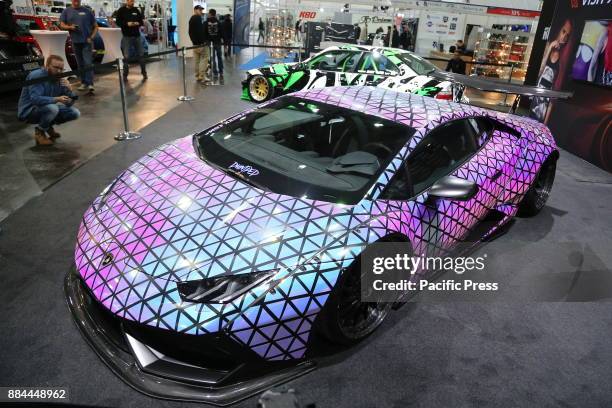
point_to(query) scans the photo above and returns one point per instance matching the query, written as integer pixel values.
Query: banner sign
(576, 59)
(436, 25)
(513, 12)
(307, 15)
(443, 6)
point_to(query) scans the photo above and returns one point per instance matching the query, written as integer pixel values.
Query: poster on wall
(593, 61)
(436, 25)
(578, 58)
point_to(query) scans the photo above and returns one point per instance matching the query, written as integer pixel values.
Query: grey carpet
(533, 350)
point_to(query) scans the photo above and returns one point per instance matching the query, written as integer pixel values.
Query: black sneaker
(144, 76)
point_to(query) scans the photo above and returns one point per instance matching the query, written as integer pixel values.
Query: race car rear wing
(488, 85)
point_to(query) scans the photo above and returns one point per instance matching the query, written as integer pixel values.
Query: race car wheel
(538, 193)
(259, 89)
(345, 318)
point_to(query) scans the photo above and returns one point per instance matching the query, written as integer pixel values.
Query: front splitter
(125, 366)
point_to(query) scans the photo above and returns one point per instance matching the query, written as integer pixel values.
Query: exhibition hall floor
(535, 349)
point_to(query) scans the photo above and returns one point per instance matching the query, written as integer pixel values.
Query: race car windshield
(305, 149)
(417, 64)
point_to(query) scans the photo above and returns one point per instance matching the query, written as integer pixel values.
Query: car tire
(259, 88)
(343, 303)
(538, 193)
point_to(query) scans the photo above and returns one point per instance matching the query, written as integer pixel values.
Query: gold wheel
(259, 88)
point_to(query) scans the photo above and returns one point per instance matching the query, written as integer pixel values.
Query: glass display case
(503, 47)
(279, 33)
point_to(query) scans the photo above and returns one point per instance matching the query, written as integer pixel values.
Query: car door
(437, 225)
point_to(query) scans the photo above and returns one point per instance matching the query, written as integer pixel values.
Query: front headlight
(222, 289)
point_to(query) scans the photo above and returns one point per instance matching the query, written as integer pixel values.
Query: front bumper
(134, 353)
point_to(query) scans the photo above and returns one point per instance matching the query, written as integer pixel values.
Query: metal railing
(119, 64)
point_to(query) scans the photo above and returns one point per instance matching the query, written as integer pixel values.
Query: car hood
(277, 69)
(173, 216)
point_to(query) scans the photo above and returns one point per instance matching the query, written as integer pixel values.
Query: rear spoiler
(489, 85)
(501, 87)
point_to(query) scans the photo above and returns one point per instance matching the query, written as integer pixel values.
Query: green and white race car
(345, 65)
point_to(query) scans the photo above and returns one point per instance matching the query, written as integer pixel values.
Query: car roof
(419, 112)
(367, 48)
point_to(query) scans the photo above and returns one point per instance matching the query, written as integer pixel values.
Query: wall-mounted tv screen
(593, 61)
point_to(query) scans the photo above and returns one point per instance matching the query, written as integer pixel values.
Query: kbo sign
(307, 15)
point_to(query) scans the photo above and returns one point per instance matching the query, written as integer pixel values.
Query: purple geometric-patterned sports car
(223, 253)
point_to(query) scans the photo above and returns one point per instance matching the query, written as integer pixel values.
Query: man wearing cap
(197, 36)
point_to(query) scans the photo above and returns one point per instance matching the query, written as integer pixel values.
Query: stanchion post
(125, 134)
(184, 97)
(505, 102)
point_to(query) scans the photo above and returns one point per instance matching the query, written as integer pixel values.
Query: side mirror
(453, 188)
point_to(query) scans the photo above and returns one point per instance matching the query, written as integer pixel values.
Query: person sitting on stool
(47, 103)
(456, 64)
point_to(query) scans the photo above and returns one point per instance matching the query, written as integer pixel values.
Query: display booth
(577, 56)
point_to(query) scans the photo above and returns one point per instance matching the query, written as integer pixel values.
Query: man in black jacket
(395, 37)
(228, 31)
(129, 18)
(212, 31)
(198, 37)
(456, 64)
(405, 40)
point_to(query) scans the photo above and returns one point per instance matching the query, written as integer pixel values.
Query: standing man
(197, 36)
(388, 36)
(228, 31)
(456, 64)
(298, 27)
(82, 25)
(262, 30)
(357, 33)
(47, 103)
(460, 46)
(395, 37)
(212, 31)
(406, 39)
(129, 19)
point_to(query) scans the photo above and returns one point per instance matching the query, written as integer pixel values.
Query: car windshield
(417, 64)
(305, 149)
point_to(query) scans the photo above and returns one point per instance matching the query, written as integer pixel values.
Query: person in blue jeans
(212, 31)
(130, 19)
(81, 24)
(47, 103)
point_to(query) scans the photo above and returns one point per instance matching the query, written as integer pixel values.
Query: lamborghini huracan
(204, 271)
